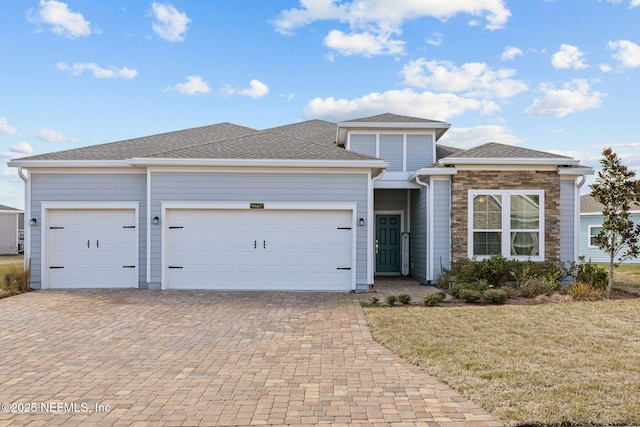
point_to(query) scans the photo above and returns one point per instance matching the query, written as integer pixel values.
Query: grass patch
(14, 279)
(551, 364)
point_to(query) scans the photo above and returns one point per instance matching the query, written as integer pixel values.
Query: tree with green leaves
(617, 190)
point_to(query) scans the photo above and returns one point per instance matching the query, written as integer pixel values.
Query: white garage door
(258, 249)
(91, 248)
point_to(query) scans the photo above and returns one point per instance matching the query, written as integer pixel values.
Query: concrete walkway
(138, 357)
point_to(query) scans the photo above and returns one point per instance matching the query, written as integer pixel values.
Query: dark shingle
(313, 130)
(391, 118)
(493, 150)
(264, 145)
(148, 145)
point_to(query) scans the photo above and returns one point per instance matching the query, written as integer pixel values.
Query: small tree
(616, 189)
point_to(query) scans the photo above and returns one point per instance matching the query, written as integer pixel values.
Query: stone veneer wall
(549, 181)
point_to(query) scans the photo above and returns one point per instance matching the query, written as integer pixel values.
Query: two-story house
(307, 206)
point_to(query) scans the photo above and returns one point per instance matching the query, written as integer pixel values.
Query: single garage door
(258, 249)
(91, 248)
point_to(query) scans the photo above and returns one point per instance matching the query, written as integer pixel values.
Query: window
(594, 230)
(509, 223)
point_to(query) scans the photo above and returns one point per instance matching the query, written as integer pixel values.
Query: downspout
(27, 218)
(576, 227)
(429, 230)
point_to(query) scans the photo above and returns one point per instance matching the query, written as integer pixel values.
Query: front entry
(388, 248)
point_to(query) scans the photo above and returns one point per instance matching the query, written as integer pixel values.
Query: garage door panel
(245, 249)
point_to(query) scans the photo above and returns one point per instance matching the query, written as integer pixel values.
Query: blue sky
(560, 76)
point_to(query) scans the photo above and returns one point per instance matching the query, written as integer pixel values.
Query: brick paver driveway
(137, 357)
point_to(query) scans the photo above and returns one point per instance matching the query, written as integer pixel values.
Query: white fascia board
(10, 212)
(28, 164)
(510, 161)
(578, 171)
(395, 184)
(433, 172)
(373, 164)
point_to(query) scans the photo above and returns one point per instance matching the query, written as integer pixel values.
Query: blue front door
(388, 252)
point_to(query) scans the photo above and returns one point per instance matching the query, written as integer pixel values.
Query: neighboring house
(306, 206)
(10, 230)
(591, 220)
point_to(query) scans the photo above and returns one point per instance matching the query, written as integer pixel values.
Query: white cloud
(5, 128)
(51, 135)
(626, 52)
(62, 21)
(472, 137)
(98, 72)
(22, 148)
(510, 53)
(606, 68)
(473, 79)
(193, 86)
(435, 39)
(634, 3)
(389, 13)
(573, 97)
(256, 89)
(407, 102)
(568, 57)
(366, 44)
(170, 25)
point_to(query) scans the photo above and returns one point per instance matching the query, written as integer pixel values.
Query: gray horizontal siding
(392, 151)
(441, 226)
(100, 187)
(420, 151)
(567, 219)
(259, 187)
(8, 233)
(595, 254)
(363, 143)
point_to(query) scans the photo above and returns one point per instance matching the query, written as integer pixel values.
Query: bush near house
(15, 280)
(469, 280)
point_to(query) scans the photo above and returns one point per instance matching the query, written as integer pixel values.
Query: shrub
(374, 301)
(404, 299)
(391, 300)
(585, 291)
(592, 275)
(433, 298)
(469, 295)
(16, 280)
(475, 286)
(496, 270)
(536, 285)
(495, 296)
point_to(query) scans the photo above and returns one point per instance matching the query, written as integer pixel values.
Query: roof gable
(9, 208)
(493, 153)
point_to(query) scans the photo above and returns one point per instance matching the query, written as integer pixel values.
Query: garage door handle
(88, 244)
(264, 244)
(255, 244)
(343, 268)
(97, 243)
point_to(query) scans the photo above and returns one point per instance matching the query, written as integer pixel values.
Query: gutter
(27, 218)
(429, 228)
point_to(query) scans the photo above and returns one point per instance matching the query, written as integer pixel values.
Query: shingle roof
(313, 130)
(589, 205)
(8, 208)
(264, 145)
(148, 145)
(493, 150)
(446, 151)
(392, 118)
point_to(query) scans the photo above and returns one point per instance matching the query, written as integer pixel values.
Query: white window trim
(506, 221)
(589, 245)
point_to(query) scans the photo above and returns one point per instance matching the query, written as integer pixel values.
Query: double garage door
(258, 249)
(203, 249)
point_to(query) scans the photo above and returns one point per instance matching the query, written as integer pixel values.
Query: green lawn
(572, 363)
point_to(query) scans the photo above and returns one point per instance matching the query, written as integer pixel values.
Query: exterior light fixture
(361, 222)
(156, 220)
(33, 222)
